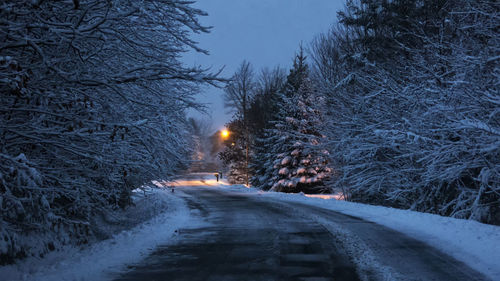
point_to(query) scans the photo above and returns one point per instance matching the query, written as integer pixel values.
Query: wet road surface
(248, 240)
(252, 239)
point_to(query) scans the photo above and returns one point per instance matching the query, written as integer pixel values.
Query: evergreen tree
(263, 111)
(263, 160)
(301, 164)
(269, 143)
(382, 27)
(289, 157)
(233, 156)
(298, 73)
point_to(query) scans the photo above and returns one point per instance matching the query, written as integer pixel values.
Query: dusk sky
(266, 33)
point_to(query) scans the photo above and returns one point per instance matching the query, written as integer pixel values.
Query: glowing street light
(224, 134)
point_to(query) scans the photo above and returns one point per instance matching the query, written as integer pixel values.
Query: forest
(398, 104)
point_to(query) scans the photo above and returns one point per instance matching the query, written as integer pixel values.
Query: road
(252, 238)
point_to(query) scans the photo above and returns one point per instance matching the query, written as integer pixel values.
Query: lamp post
(224, 134)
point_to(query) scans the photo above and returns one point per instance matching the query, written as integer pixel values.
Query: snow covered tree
(298, 73)
(381, 26)
(269, 143)
(302, 161)
(264, 109)
(233, 155)
(290, 155)
(93, 105)
(461, 122)
(202, 157)
(414, 124)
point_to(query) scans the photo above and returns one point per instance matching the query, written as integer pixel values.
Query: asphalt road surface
(250, 238)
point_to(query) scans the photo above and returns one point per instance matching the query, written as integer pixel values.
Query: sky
(266, 33)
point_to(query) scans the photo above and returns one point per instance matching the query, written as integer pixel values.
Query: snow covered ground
(106, 257)
(471, 242)
(476, 244)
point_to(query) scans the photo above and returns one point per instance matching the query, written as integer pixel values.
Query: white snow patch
(100, 260)
(286, 160)
(301, 170)
(283, 171)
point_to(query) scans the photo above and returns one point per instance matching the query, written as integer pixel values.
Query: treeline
(275, 140)
(408, 102)
(92, 105)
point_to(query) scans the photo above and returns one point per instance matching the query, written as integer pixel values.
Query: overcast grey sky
(264, 32)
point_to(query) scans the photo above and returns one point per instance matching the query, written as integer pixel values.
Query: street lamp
(224, 134)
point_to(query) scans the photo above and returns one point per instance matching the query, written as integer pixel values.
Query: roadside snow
(476, 244)
(101, 259)
(471, 242)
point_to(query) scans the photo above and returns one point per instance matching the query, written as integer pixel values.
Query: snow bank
(474, 243)
(101, 259)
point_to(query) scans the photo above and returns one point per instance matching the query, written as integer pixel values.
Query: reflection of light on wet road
(326, 196)
(189, 183)
(196, 182)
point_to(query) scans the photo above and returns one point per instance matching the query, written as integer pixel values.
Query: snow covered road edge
(108, 257)
(474, 243)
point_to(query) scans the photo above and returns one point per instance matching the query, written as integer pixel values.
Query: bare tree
(240, 90)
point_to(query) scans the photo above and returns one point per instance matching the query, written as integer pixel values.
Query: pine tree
(263, 111)
(290, 154)
(298, 73)
(263, 159)
(382, 26)
(269, 142)
(301, 164)
(233, 156)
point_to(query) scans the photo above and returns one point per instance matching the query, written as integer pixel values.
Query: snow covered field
(476, 244)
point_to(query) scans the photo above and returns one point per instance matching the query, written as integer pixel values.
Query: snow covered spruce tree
(92, 106)
(296, 159)
(301, 160)
(264, 109)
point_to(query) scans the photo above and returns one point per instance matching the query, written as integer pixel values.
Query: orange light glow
(224, 134)
(206, 182)
(326, 196)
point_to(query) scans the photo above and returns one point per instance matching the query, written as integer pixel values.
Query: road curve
(251, 238)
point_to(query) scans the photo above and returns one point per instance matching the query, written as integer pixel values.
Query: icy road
(252, 237)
